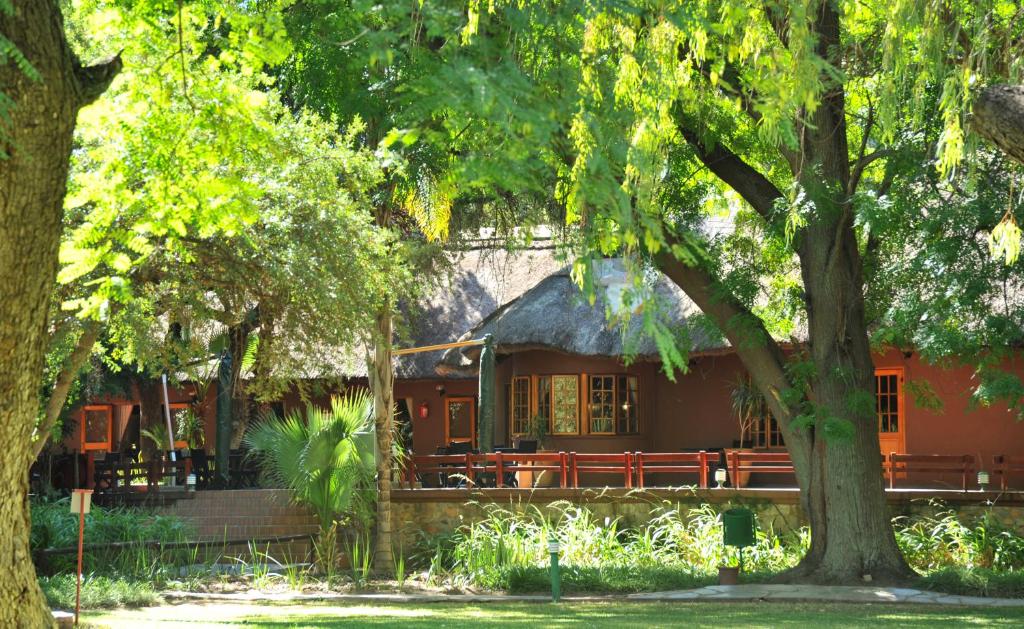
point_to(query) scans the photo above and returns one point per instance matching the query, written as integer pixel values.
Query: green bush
(53, 526)
(97, 592)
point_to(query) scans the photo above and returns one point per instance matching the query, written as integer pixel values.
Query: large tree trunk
(382, 380)
(999, 118)
(852, 535)
(33, 175)
(840, 478)
(237, 343)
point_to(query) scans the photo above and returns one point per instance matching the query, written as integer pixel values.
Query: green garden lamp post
(556, 573)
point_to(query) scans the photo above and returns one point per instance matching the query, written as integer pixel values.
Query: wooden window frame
(97, 445)
(472, 419)
(530, 404)
(618, 404)
(901, 409)
(173, 407)
(614, 405)
(771, 428)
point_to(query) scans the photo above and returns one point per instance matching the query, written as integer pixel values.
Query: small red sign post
(81, 500)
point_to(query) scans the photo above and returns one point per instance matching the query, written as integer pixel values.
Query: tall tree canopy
(801, 120)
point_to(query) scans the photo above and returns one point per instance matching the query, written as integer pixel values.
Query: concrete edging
(719, 593)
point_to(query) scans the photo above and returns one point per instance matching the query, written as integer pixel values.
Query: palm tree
(322, 460)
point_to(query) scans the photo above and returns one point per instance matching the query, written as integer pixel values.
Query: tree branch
(95, 79)
(69, 371)
(755, 188)
(999, 118)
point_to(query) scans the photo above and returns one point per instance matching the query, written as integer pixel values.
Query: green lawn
(614, 615)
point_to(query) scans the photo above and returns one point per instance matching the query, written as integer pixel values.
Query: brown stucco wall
(960, 427)
(694, 411)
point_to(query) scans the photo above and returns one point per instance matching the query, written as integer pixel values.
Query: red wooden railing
(602, 463)
(673, 462)
(760, 462)
(1003, 466)
(899, 465)
(634, 467)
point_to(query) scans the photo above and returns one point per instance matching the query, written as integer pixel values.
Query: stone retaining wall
(437, 511)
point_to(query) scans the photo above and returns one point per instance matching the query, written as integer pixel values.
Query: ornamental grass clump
(507, 549)
(943, 540)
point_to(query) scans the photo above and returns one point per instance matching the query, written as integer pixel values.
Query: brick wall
(247, 514)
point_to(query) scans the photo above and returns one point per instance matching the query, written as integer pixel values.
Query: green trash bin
(738, 528)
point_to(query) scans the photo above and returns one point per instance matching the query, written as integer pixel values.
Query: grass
(974, 582)
(585, 615)
(97, 592)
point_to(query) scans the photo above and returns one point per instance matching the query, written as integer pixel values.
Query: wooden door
(891, 416)
(460, 420)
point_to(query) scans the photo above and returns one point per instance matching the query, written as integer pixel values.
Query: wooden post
(627, 461)
(702, 473)
(892, 470)
(499, 470)
(563, 460)
(733, 460)
(82, 504)
(469, 468)
(575, 470)
(639, 456)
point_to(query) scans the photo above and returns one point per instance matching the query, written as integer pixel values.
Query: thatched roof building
(555, 315)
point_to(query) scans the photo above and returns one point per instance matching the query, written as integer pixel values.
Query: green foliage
(944, 541)
(974, 582)
(199, 196)
(317, 456)
(507, 550)
(98, 592)
(53, 526)
(507, 547)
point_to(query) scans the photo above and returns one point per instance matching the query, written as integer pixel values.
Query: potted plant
(749, 407)
(191, 429)
(537, 430)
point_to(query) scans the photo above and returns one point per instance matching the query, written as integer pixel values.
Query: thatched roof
(554, 315)
(484, 281)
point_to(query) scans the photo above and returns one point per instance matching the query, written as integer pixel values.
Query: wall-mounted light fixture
(440, 390)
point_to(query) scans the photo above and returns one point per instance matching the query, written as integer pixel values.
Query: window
(97, 427)
(520, 400)
(765, 433)
(544, 400)
(178, 413)
(887, 400)
(602, 405)
(614, 404)
(628, 404)
(565, 405)
(611, 404)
